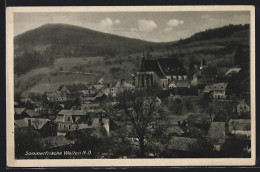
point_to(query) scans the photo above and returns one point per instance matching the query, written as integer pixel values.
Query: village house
(106, 89)
(121, 86)
(87, 105)
(30, 118)
(217, 90)
(26, 100)
(62, 94)
(241, 108)
(240, 127)
(203, 76)
(179, 84)
(68, 120)
(18, 113)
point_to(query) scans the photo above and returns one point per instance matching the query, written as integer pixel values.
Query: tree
(49, 129)
(204, 102)
(26, 139)
(140, 109)
(241, 57)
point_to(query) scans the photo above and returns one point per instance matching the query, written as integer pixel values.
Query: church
(159, 73)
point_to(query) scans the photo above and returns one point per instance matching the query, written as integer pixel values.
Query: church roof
(163, 67)
(151, 65)
(171, 67)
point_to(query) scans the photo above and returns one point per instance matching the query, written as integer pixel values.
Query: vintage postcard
(130, 86)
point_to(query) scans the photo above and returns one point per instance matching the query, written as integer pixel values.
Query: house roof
(217, 130)
(123, 83)
(208, 88)
(57, 141)
(172, 84)
(198, 118)
(32, 113)
(240, 124)
(20, 123)
(19, 111)
(219, 86)
(182, 143)
(52, 95)
(72, 112)
(183, 83)
(215, 86)
(87, 92)
(232, 70)
(98, 86)
(175, 129)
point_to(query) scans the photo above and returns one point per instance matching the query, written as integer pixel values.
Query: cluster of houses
(169, 74)
(166, 74)
(88, 115)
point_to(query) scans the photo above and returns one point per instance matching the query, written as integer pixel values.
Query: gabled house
(241, 107)
(120, 86)
(240, 127)
(68, 120)
(18, 113)
(218, 90)
(31, 114)
(65, 91)
(30, 118)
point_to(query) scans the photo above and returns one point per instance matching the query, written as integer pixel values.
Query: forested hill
(68, 40)
(221, 32)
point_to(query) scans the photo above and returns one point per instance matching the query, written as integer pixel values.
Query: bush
(26, 139)
(115, 70)
(49, 129)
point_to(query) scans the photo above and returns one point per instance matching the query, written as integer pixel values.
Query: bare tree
(140, 109)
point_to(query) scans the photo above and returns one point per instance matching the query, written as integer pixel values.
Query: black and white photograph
(131, 85)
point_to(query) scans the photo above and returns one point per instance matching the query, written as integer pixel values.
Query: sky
(150, 26)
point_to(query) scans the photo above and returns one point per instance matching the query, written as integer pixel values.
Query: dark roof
(172, 67)
(20, 123)
(151, 65)
(19, 111)
(217, 130)
(163, 67)
(32, 113)
(182, 143)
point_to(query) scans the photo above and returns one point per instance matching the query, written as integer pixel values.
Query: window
(68, 119)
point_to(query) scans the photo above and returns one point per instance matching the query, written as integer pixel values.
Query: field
(75, 70)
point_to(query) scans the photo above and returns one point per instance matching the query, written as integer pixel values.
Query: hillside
(68, 40)
(41, 46)
(42, 54)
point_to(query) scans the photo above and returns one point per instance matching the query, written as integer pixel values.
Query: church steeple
(143, 57)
